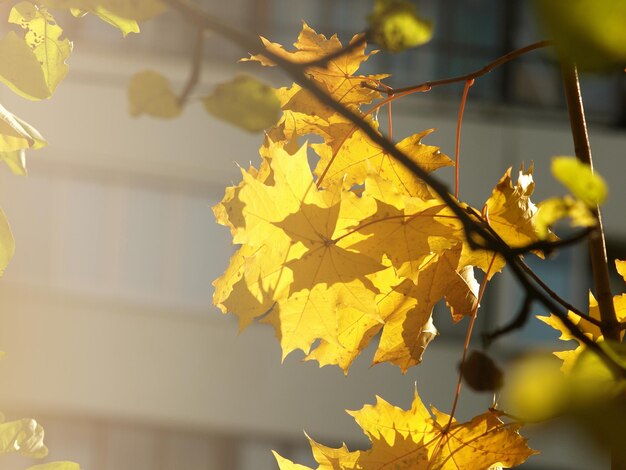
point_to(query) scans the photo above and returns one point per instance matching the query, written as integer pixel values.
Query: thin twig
(558, 298)
(518, 321)
(547, 246)
(478, 73)
(468, 336)
(196, 68)
(457, 147)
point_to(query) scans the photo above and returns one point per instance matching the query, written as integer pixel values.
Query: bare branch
(472, 75)
(196, 68)
(597, 246)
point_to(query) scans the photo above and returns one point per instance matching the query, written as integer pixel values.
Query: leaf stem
(457, 149)
(468, 336)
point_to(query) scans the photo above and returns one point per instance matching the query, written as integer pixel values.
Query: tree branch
(597, 247)
(473, 229)
(472, 75)
(558, 298)
(196, 68)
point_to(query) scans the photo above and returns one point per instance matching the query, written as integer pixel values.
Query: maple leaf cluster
(357, 245)
(422, 438)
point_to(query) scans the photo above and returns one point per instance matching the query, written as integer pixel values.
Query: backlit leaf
(43, 36)
(554, 209)
(125, 25)
(337, 77)
(582, 182)
(422, 438)
(396, 26)
(589, 329)
(351, 157)
(16, 134)
(20, 70)
(511, 211)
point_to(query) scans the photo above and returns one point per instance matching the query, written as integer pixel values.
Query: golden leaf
(420, 438)
(337, 77)
(511, 211)
(588, 329)
(43, 36)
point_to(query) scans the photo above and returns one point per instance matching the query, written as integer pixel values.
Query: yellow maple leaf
(407, 308)
(420, 438)
(336, 77)
(589, 329)
(306, 272)
(511, 211)
(351, 156)
(404, 229)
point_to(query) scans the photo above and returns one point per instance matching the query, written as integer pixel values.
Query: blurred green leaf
(554, 209)
(245, 102)
(150, 93)
(590, 33)
(582, 182)
(395, 25)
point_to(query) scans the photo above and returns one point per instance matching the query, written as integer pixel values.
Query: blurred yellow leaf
(554, 209)
(535, 389)
(125, 25)
(150, 93)
(16, 161)
(244, 102)
(56, 466)
(138, 10)
(16, 134)
(24, 436)
(396, 26)
(7, 244)
(20, 70)
(589, 33)
(43, 36)
(582, 182)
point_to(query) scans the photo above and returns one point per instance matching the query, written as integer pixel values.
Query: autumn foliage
(343, 235)
(333, 255)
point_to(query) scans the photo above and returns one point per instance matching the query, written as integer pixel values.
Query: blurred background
(105, 311)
